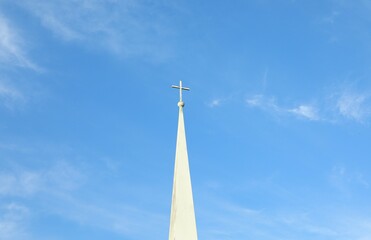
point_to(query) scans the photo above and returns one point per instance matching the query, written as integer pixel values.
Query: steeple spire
(182, 219)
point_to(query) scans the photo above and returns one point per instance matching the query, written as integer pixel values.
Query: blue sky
(278, 118)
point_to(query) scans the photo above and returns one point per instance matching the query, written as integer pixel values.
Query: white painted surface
(182, 220)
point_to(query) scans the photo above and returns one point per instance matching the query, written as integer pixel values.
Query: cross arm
(183, 88)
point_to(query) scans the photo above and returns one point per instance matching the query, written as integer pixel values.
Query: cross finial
(181, 88)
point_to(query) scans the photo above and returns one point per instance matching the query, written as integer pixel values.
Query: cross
(180, 87)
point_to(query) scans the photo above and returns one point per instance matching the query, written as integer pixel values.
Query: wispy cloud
(214, 103)
(337, 105)
(61, 188)
(25, 183)
(331, 18)
(262, 102)
(270, 104)
(127, 28)
(13, 57)
(345, 179)
(123, 218)
(225, 219)
(239, 222)
(10, 96)
(355, 106)
(12, 47)
(13, 218)
(306, 111)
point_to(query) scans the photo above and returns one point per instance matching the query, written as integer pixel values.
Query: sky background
(278, 118)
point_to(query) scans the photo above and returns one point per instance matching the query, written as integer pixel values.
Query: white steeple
(182, 220)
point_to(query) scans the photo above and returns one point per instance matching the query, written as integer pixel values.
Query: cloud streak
(339, 106)
(12, 51)
(354, 106)
(345, 180)
(225, 219)
(13, 58)
(60, 189)
(127, 28)
(239, 222)
(306, 111)
(10, 96)
(269, 104)
(26, 183)
(13, 221)
(214, 103)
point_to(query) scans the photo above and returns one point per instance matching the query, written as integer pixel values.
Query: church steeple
(182, 220)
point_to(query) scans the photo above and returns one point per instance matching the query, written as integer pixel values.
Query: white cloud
(306, 111)
(215, 103)
(13, 221)
(261, 101)
(61, 189)
(10, 96)
(353, 106)
(13, 56)
(342, 103)
(12, 51)
(224, 219)
(344, 179)
(127, 28)
(269, 104)
(21, 184)
(124, 219)
(255, 101)
(332, 17)
(61, 177)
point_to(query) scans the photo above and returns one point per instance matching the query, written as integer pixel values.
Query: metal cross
(180, 87)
